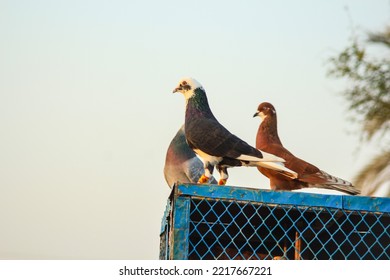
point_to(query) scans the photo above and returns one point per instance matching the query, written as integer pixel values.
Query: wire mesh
(223, 228)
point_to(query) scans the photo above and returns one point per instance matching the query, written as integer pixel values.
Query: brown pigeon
(309, 176)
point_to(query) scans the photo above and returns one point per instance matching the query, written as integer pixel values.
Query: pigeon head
(187, 86)
(265, 109)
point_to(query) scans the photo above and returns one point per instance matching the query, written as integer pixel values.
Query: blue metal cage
(215, 222)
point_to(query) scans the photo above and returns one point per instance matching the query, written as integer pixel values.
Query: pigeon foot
(222, 182)
(203, 179)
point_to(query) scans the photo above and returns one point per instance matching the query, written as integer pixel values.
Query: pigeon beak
(256, 114)
(176, 89)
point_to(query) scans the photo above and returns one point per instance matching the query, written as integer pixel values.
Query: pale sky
(87, 110)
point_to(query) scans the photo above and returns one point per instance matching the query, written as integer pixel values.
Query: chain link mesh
(224, 229)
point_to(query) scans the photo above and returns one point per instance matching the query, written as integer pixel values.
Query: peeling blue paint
(179, 241)
(346, 202)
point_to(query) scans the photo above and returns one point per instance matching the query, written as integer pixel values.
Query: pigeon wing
(214, 139)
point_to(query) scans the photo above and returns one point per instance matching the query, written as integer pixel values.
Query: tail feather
(341, 188)
(266, 157)
(335, 183)
(268, 161)
(271, 157)
(278, 166)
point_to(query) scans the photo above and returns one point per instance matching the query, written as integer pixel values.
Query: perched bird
(214, 143)
(309, 176)
(181, 163)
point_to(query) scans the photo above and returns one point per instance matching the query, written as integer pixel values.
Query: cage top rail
(346, 202)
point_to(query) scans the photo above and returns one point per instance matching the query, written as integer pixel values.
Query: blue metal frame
(179, 239)
(215, 222)
(347, 202)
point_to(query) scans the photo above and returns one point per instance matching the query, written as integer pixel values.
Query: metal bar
(179, 234)
(360, 203)
(298, 246)
(366, 203)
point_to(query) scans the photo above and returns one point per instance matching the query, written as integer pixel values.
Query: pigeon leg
(223, 175)
(208, 171)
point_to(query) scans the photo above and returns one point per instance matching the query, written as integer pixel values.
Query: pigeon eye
(184, 83)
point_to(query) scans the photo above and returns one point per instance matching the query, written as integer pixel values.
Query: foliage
(369, 91)
(368, 96)
(374, 177)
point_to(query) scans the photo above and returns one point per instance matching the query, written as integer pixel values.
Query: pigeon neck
(198, 105)
(268, 131)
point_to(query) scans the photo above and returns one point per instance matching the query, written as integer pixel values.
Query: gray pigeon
(214, 143)
(181, 163)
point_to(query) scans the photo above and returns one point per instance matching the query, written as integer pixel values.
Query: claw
(203, 179)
